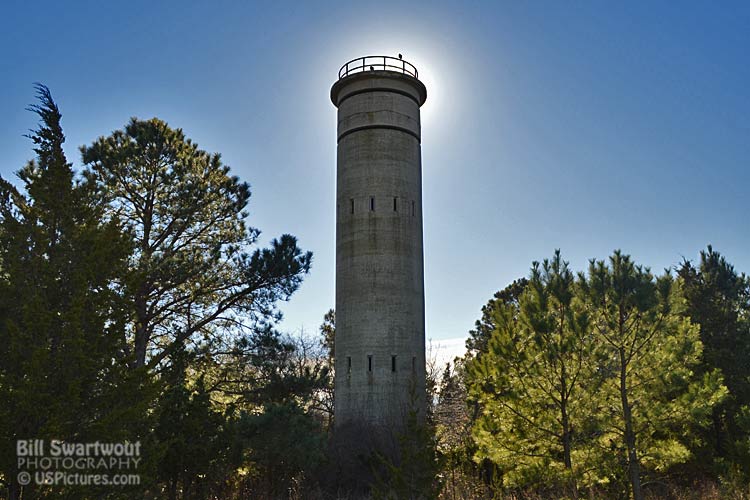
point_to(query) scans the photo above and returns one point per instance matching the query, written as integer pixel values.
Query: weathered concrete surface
(380, 350)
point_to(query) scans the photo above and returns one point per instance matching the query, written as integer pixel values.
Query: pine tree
(328, 331)
(192, 275)
(651, 350)
(529, 382)
(585, 376)
(483, 328)
(718, 301)
(324, 398)
(283, 444)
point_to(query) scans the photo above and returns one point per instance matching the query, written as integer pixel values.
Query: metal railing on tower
(373, 63)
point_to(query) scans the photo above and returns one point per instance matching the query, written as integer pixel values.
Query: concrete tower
(380, 337)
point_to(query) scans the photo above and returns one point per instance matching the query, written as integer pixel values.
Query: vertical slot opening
(348, 364)
(393, 363)
(395, 204)
(372, 204)
(414, 364)
(351, 204)
(413, 208)
(369, 362)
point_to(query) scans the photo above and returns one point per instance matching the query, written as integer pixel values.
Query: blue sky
(585, 126)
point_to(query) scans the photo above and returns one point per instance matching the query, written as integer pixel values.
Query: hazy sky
(585, 126)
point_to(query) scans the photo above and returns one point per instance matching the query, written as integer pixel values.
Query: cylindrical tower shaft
(380, 336)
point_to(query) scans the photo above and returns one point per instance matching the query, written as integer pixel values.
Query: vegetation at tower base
(413, 472)
(192, 276)
(455, 445)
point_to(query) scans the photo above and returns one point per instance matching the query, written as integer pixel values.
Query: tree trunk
(13, 493)
(141, 295)
(565, 431)
(634, 468)
(141, 326)
(565, 418)
(173, 489)
(140, 344)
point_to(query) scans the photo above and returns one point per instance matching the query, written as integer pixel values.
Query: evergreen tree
(197, 445)
(585, 376)
(325, 397)
(61, 316)
(283, 444)
(267, 367)
(483, 328)
(530, 382)
(476, 345)
(249, 426)
(192, 275)
(718, 300)
(651, 350)
(328, 331)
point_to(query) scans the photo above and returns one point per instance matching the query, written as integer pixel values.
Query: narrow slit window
(369, 362)
(372, 204)
(351, 204)
(393, 363)
(395, 204)
(348, 364)
(414, 364)
(413, 208)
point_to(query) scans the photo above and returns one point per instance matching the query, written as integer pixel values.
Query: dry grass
(704, 490)
(469, 490)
